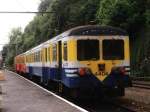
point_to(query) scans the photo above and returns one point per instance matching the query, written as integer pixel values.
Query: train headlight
(122, 70)
(118, 70)
(84, 71)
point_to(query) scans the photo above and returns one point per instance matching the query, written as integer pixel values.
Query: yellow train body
(93, 65)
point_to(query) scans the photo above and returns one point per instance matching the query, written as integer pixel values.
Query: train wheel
(121, 91)
(46, 82)
(30, 77)
(74, 93)
(60, 88)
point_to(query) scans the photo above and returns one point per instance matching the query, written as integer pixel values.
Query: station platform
(22, 95)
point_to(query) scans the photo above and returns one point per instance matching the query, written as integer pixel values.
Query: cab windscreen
(87, 50)
(113, 49)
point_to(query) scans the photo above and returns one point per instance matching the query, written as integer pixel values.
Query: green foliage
(15, 41)
(44, 5)
(147, 15)
(122, 13)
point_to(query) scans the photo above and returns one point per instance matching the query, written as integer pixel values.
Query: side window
(31, 58)
(45, 54)
(28, 59)
(42, 55)
(25, 59)
(55, 52)
(35, 56)
(65, 52)
(39, 56)
(49, 54)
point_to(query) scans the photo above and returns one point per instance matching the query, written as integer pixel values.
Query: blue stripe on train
(87, 81)
(46, 73)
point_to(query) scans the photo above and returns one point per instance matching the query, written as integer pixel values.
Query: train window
(113, 49)
(35, 57)
(49, 53)
(31, 58)
(41, 56)
(45, 54)
(65, 51)
(55, 52)
(87, 50)
(26, 59)
(38, 56)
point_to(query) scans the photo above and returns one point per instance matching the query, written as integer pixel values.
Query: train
(86, 60)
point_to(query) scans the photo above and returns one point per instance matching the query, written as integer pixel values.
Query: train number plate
(101, 73)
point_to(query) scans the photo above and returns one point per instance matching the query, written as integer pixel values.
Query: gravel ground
(138, 94)
(137, 98)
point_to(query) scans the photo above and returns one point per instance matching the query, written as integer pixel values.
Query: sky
(9, 21)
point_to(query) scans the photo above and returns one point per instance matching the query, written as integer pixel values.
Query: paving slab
(19, 95)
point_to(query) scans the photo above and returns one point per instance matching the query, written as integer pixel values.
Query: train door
(59, 59)
(45, 68)
(43, 57)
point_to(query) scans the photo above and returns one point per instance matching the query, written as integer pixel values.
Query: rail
(140, 78)
(141, 84)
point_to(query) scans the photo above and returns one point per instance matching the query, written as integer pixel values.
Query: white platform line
(70, 103)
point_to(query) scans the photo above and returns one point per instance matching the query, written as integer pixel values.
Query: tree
(122, 13)
(13, 48)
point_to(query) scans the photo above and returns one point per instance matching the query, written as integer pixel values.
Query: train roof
(20, 54)
(91, 30)
(95, 30)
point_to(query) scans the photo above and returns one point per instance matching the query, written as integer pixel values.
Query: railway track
(125, 108)
(104, 106)
(141, 84)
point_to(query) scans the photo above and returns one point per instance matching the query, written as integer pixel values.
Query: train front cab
(97, 63)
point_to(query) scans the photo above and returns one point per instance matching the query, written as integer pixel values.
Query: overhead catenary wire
(25, 12)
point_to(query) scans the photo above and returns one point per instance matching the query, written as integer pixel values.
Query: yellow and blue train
(87, 58)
